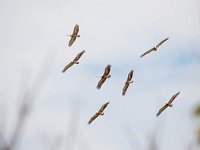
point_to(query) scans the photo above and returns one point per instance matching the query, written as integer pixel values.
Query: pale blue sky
(112, 32)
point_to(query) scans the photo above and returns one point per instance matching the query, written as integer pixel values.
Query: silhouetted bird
(74, 61)
(168, 104)
(104, 77)
(100, 112)
(74, 35)
(154, 48)
(127, 82)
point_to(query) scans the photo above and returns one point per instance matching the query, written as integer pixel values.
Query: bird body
(105, 76)
(154, 48)
(74, 61)
(99, 113)
(168, 104)
(74, 35)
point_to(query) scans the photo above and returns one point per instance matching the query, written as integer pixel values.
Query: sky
(34, 50)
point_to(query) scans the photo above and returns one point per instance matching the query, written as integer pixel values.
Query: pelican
(74, 35)
(154, 48)
(127, 82)
(74, 61)
(104, 77)
(99, 113)
(168, 104)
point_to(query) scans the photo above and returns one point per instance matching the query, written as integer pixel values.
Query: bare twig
(73, 126)
(27, 101)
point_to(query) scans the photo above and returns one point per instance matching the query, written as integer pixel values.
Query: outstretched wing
(102, 80)
(79, 55)
(71, 41)
(161, 110)
(107, 70)
(76, 29)
(103, 107)
(149, 51)
(161, 42)
(93, 118)
(173, 97)
(68, 66)
(125, 88)
(130, 75)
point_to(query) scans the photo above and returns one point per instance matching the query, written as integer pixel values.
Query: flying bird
(168, 104)
(99, 113)
(74, 61)
(127, 82)
(74, 35)
(154, 48)
(104, 77)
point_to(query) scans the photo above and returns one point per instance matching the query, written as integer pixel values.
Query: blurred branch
(84, 140)
(73, 126)
(153, 144)
(132, 137)
(27, 101)
(57, 143)
(197, 111)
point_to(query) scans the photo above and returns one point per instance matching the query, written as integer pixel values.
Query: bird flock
(106, 75)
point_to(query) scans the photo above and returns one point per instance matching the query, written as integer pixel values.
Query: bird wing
(93, 118)
(103, 107)
(79, 55)
(107, 70)
(130, 75)
(125, 88)
(161, 42)
(161, 110)
(67, 66)
(149, 51)
(71, 41)
(76, 29)
(101, 81)
(173, 97)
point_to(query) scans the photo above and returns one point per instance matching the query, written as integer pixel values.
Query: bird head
(108, 76)
(102, 114)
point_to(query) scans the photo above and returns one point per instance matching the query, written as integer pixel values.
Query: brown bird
(168, 104)
(127, 82)
(74, 35)
(100, 112)
(74, 61)
(104, 77)
(154, 48)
